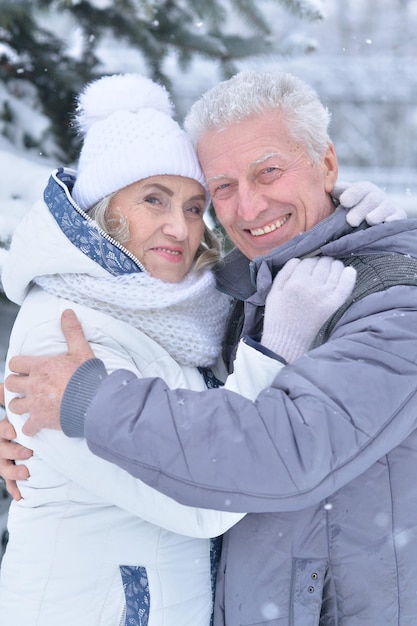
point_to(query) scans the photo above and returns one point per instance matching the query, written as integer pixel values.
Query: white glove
(303, 296)
(365, 200)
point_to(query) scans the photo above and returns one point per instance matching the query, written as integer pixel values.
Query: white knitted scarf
(187, 319)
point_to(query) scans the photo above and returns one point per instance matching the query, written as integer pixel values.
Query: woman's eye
(152, 199)
(195, 210)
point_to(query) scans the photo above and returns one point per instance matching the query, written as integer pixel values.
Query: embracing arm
(72, 461)
(114, 486)
(72, 458)
(303, 295)
(62, 368)
(326, 419)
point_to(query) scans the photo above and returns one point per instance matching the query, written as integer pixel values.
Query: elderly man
(324, 460)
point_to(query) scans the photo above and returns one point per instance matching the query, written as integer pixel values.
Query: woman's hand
(9, 453)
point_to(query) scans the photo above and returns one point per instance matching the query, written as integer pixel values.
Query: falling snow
(379, 65)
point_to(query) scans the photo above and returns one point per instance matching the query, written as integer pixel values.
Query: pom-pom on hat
(129, 134)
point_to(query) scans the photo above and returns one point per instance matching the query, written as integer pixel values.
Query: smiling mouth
(269, 228)
(168, 251)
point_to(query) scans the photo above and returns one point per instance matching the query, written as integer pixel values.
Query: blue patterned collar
(82, 231)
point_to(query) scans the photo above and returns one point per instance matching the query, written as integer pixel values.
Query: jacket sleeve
(114, 485)
(326, 419)
(73, 461)
(254, 369)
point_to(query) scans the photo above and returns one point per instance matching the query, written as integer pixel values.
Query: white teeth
(173, 252)
(271, 227)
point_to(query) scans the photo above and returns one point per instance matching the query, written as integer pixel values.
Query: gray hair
(248, 94)
(209, 252)
(118, 228)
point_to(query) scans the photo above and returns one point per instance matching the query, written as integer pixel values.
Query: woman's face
(165, 217)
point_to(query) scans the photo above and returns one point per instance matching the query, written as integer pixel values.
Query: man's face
(264, 187)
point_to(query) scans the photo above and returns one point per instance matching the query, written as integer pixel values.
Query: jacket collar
(238, 276)
(82, 231)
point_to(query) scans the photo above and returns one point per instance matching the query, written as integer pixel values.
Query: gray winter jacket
(324, 461)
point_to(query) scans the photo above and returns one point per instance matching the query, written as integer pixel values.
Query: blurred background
(360, 57)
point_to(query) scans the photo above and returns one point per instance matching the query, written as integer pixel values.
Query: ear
(331, 168)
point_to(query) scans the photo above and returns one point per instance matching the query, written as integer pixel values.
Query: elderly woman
(124, 244)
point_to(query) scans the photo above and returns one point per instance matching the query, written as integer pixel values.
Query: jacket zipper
(110, 239)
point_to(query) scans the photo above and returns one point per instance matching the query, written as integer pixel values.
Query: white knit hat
(129, 135)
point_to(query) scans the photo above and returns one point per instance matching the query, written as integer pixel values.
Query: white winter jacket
(87, 540)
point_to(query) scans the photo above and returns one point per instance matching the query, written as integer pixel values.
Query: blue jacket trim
(82, 231)
(136, 589)
(211, 381)
(215, 553)
(255, 343)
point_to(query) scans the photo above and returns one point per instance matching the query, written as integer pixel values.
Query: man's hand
(9, 453)
(303, 296)
(41, 381)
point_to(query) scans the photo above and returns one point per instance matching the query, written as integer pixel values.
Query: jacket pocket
(137, 595)
(308, 577)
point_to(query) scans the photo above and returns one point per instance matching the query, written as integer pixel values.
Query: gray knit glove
(303, 296)
(365, 200)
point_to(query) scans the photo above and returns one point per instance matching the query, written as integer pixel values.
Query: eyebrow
(217, 177)
(262, 159)
(170, 192)
(167, 190)
(265, 157)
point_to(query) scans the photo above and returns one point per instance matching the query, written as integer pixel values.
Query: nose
(175, 225)
(250, 201)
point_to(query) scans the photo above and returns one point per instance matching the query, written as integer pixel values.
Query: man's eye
(270, 170)
(269, 174)
(215, 188)
(221, 190)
